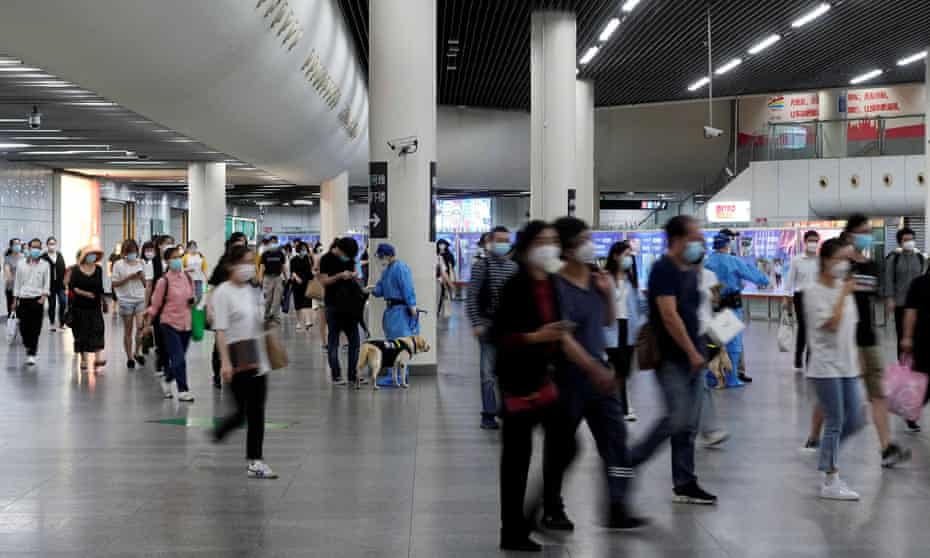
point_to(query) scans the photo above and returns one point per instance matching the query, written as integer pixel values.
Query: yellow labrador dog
(393, 354)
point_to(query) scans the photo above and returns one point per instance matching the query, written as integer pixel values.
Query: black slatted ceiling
(659, 48)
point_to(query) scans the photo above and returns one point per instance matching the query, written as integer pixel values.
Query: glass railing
(854, 137)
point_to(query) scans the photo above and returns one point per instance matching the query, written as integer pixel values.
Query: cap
(721, 240)
(729, 233)
(385, 249)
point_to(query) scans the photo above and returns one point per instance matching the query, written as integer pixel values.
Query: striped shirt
(488, 276)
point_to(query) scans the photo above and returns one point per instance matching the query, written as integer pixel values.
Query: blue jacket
(732, 271)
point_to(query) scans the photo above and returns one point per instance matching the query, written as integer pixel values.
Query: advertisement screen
(80, 224)
(468, 215)
(648, 246)
(770, 251)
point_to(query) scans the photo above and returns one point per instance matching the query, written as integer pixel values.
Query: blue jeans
(176, 343)
(841, 401)
(682, 391)
(341, 322)
(489, 407)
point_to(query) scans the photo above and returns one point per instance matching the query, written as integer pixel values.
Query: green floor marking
(201, 422)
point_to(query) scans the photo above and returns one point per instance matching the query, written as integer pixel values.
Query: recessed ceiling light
(14, 145)
(811, 15)
(764, 43)
(728, 66)
(629, 5)
(609, 29)
(912, 58)
(588, 55)
(699, 84)
(866, 76)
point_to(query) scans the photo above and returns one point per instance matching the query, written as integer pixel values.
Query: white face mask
(585, 252)
(243, 272)
(812, 247)
(840, 270)
(909, 245)
(545, 258)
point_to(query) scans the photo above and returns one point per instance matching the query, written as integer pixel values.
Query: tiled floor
(405, 473)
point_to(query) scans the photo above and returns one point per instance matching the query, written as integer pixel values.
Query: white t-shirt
(194, 266)
(802, 274)
(833, 354)
(149, 270)
(132, 292)
(621, 291)
(238, 313)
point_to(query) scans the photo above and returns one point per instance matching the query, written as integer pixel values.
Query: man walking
(901, 267)
(270, 270)
(488, 276)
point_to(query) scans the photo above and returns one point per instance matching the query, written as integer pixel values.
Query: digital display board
(465, 215)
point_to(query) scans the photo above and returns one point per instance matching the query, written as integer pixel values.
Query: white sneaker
(186, 397)
(261, 470)
(714, 439)
(30, 361)
(166, 389)
(300, 326)
(837, 490)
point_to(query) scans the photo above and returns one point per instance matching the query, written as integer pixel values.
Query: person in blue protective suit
(396, 287)
(731, 272)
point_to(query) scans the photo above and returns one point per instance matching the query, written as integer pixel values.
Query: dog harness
(390, 350)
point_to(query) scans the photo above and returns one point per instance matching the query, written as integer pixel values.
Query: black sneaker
(557, 521)
(130, 364)
(913, 426)
(691, 493)
(810, 446)
(895, 454)
(621, 519)
(520, 544)
(140, 359)
(489, 423)
(745, 379)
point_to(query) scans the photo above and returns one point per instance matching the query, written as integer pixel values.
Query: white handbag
(785, 333)
(12, 328)
(724, 326)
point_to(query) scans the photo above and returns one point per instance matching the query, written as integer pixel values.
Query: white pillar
(587, 203)
(206, 199)
(927, 153)
(833, 134)
(552, 106)
(334, 208)
(402, 100)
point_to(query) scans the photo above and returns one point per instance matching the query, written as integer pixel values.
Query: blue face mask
(17, 248)
(91, 258)
(863, 241)
(626, 263)
(175, 264)
(500, 248)
(694, 252)
(35, 253)
(131, 257)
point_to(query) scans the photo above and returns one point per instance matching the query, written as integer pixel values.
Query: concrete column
(927, 153)
(206, 197)
(833, 134)
(552, 106)
(334, 208)
(402, 100)
(587, 203)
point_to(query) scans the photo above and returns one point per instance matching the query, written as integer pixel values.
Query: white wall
(302, 219)
(25, 203)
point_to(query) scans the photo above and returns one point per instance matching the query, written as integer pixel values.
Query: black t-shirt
(92, 283)
(667, 279)
(339, 295)
(273, 260)
(866, 276)
(918, 298)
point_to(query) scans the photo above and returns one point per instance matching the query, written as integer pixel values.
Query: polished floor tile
(87, 472)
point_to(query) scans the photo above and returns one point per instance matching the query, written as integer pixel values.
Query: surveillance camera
(404, 146)
(711, 132)
(35, 119)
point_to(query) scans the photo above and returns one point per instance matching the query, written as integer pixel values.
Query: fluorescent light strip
(16, 68)
(14, 145)
(912, 58)
(764, 43)
(47, 138)
(811, 15)
(609, 29)
(138, 163)
(699, 84)
(92, 104)
(6, 120)
(728, 66)
(866, 76)
(28, 130)
(588, 55)
(7, 61)
(629, 5)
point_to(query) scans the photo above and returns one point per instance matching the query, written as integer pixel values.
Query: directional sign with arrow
(377, 199)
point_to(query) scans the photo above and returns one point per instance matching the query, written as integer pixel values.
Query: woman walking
(195, 265)
(172, 301)
(301, 268)
(85, 281)
(621, 336)
(237, 311)
(319, 306)
(129, 284)
(834, 361)
(11, 260)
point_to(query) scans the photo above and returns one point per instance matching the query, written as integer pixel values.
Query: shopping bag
(785, 333)
(12, 328)
(724, 326)
(198, 322)
(647, 348)
(904, 390)
(314, 289)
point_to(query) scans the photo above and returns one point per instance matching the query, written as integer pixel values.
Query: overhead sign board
(377, 199)
(729, 212)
